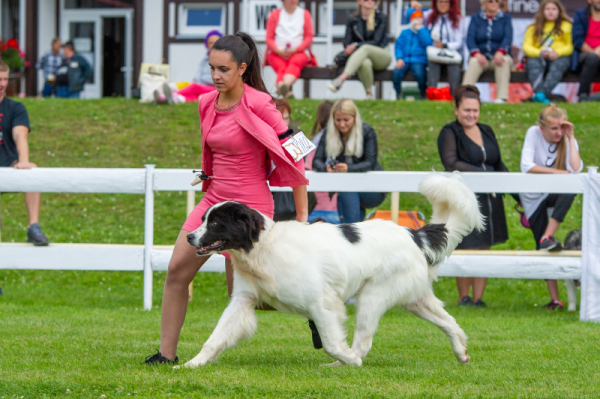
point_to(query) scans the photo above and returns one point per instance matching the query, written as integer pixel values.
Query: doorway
(113, 57)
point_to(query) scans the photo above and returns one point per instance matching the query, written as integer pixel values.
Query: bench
(329, 73)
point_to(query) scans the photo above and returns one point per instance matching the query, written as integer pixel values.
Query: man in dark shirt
(14, 151)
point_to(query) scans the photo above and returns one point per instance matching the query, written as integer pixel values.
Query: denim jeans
(352, 206)
(63, 92)
(418, 70)
(47, 91)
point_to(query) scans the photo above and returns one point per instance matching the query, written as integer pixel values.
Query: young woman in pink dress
(240, 127)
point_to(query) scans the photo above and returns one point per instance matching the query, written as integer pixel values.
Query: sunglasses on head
(493, 1)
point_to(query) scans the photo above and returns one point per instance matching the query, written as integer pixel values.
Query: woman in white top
(445, 23)
(550, 147)
(289, 36)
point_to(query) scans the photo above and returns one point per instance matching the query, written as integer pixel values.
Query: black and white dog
(310, 270)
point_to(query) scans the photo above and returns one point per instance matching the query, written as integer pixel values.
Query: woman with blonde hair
(548, 45)
(365, 46)
(550, 147)
(349, 145)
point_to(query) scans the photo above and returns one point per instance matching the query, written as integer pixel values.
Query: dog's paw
(466, 359)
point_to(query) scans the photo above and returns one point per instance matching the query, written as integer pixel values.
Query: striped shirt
(49, 63)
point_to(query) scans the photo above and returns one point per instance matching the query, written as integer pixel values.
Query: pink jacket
(257, 115)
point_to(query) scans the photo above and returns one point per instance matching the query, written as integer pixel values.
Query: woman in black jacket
(469, 146)
(365, 45)
(349, 145)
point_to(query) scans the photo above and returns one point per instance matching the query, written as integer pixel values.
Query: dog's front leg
(238, 322)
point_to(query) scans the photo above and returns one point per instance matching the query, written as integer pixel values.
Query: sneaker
(554, 305)
(499, 101)
(316, 338)
(584, 98)
(465, 301)
(157, 358)
(35, 235)
(168, 94)
(550, 244)
(335, 85)
(479, 304)
(370, 96)
(540, 98)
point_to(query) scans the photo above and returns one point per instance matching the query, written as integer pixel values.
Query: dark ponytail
(242, 48)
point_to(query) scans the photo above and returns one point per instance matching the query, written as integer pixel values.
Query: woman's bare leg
(464, 285)
(478, 287)
(183, 266)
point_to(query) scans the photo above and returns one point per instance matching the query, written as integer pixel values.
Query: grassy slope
(84, 330)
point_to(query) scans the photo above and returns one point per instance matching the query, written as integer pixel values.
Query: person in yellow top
(548, 46)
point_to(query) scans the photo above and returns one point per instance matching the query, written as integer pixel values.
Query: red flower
(3, 48)
(13, 43)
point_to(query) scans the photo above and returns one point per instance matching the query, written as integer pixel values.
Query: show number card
(298, 146)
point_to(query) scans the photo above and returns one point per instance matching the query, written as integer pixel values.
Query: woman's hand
(416, 5)
(568, 129)
(481, 59)
(438, 44)
(499, 58)
(552, 55)
(350, 49)
(341, 168)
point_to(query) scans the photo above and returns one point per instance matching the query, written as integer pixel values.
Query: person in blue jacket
(411, 54)
(586, 41)
(489, 39)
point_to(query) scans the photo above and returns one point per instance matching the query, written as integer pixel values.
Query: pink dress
(239, 169)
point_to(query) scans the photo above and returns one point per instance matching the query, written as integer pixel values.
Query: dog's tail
(455, 214)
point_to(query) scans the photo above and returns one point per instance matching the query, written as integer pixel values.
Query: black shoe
(35, 235)
(465, 301)
(550, 244)
(584, 98)
(554, 305)
(157, 358)
(316, 338)
(479, 304)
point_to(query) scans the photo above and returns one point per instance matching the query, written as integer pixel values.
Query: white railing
(149, 258)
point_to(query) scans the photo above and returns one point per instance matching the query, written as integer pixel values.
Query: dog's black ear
(257, 224)
(251, 223)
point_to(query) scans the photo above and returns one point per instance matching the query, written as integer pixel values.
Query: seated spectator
(49, 63)
(489, 38)
(73, 73)
(365, 45)
(326, 207)
(289, 36)
(349, 145)
(444, 21)
(470, 146)
(586, 40)
(550, 147)
(14, 151)
(202, 82)
(411, 54)
(548, 47)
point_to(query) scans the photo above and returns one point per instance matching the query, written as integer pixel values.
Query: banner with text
(524, 8)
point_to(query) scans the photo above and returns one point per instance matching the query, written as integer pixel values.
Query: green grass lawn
(83, 334)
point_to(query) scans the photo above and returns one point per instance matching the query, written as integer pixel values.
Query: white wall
(152, 43)
(46, 32)
(184, 60)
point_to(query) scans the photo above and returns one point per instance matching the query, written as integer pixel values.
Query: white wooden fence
(149, 258)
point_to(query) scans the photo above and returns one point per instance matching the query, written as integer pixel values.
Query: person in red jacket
(289, 37)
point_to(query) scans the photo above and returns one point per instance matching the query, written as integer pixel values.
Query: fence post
(395, 208)
(148, 235)
(191, 204)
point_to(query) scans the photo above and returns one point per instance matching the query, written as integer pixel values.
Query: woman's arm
(308, 32)
(574, 157)
(457, 43)
(530, 47)
(272, 21)
(318, 163)
(301, 202)
(348, 35)
(507, 38)
(449, 153)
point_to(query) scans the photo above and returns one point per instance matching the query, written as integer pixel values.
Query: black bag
(285, 207)
(341, 59)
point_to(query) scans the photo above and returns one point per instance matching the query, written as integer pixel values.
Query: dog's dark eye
(212, 224)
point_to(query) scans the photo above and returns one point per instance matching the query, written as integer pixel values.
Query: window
(196, 20)
(342, 11)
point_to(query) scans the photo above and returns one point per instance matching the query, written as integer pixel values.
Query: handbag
(443, 55)
(341, 59)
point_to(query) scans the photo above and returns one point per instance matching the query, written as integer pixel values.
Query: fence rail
(149, 258)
